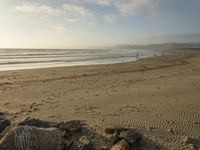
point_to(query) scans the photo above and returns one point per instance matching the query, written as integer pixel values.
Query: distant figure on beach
(137, 56)
(155, 55)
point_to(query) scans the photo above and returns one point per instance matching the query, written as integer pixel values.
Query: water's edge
(16, 59)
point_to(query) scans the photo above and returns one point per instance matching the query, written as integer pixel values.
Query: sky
(97, 23)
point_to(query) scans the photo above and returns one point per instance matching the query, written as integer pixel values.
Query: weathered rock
(191, 141)
(114, 130)
(66, 134)
(114, 139)
(121, 145)
(105, 148)
(38, 123)
(75, 130)
(32, 138)
(4, 123)
(192, 147)
(85, 144)
(188, 140)
(2, 114)
(71, 126)
(132, 137)
(68, 145)
(35, 134)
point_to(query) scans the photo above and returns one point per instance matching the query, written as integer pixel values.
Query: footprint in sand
(6, 104)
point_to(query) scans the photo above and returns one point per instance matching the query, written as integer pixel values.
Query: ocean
(15, 59)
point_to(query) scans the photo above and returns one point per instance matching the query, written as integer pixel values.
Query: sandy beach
(159, 96)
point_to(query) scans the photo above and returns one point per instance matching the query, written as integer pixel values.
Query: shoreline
(159, 96)
(163, 53)
(10, 65)
(90, 65)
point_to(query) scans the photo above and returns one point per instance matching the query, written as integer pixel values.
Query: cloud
(104, 2)
(39, 9)
(99, 2)
(72, 20)
(64, 9)
(76, 9)
(126, 8)
(59, 28)
(133, 7)
(111, 18)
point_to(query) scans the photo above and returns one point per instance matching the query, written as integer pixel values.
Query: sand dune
(158, 96)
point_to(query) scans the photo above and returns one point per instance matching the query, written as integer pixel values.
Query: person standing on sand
(137, 56)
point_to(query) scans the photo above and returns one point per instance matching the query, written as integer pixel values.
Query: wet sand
(159, 96)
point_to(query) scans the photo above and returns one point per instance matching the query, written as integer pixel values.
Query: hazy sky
(94, 23)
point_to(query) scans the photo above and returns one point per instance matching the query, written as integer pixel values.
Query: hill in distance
(164, 46)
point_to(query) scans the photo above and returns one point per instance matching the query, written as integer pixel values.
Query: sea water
(14, 59)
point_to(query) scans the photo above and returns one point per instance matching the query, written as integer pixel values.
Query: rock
(189, 140)
(121, 145)
(85, 144)
(2, 114)
(68, 145)
(132, 137)
(66, 134)
(75, 130)
(4, 123)
(38, 123)
(114, 139)
(71, 126)
(114, 130)
(191, 147)
(32, 138)
(105, 148)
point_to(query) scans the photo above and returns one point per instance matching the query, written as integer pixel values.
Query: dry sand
(159, 96)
